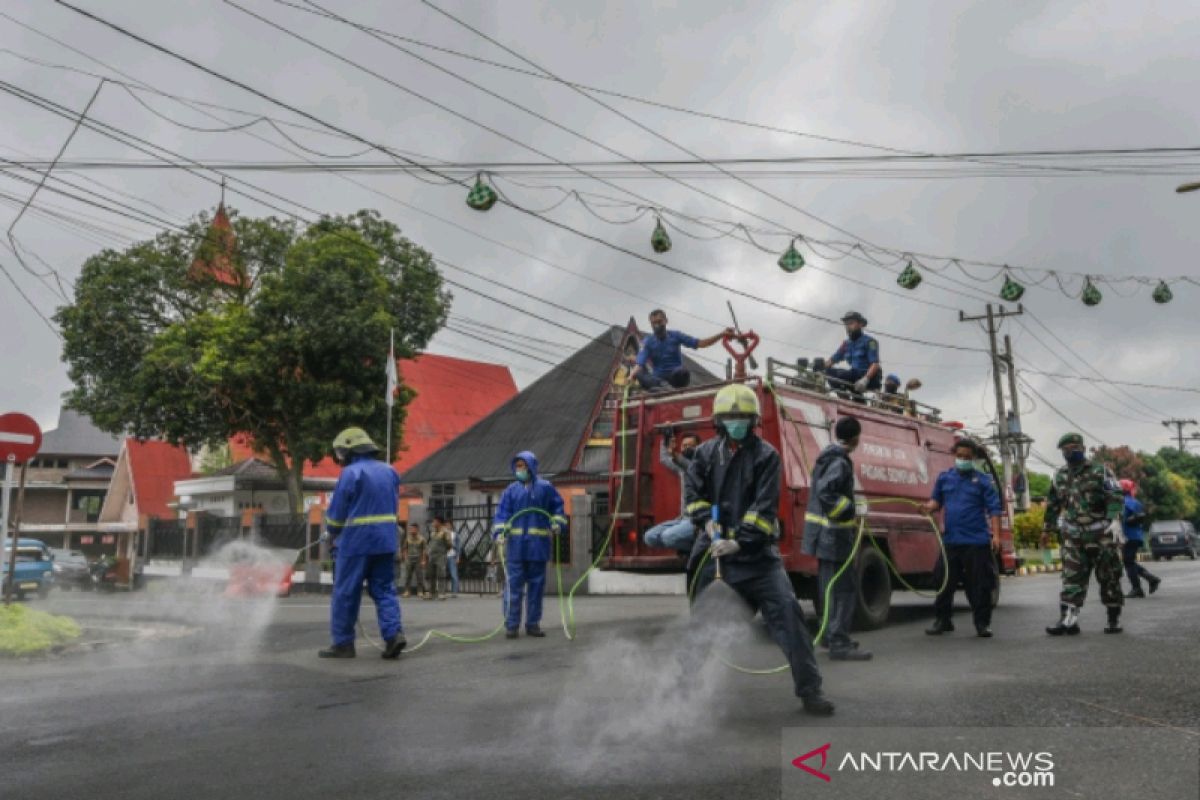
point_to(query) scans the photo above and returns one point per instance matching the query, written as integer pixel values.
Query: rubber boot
(511, 633)
(338, 651)
(939, 627)
(1154, 582)
(393, 646)
(1136, 592)
(535, 631)
(1114, 621)
(1068, 624)
(983, 631)
(817, 704)
(850, 655)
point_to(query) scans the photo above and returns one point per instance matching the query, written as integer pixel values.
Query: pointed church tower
(216, 262)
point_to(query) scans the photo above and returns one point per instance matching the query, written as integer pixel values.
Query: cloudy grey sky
(922, 76)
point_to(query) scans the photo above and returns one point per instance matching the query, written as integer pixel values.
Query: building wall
(44, 506)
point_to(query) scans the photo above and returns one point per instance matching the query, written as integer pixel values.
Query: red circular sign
(20, 438)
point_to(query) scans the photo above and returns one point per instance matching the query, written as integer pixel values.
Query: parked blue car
(35, 568)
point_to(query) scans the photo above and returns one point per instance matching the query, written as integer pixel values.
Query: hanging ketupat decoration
(481, 197)
(1091, 295)
(1011, 291)
(659, 239)
(1162, 293)
(791, 261)
(909, 278)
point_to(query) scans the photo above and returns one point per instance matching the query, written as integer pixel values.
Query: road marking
(1188, 731)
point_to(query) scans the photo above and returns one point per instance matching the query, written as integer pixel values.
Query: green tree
(282, 335)
(1027, 526)
(1039, 484)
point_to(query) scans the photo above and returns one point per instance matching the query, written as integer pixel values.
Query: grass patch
(28, 632)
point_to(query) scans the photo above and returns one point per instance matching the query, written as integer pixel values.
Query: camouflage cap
(1070, 438)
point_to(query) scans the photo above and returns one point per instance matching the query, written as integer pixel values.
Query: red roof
(215, 259)
(452, 394)
(154, 467)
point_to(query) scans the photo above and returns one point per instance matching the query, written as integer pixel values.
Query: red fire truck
(904, 447)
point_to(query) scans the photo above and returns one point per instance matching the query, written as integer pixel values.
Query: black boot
(1136, 592)
(1068, 624)
(939, 627)
(1154, 582)
(535, 631)
(983, 631)
(511, 633)
(338, 651)
(817, 704)
(850, 654)
(393, 647)
(1114, 621)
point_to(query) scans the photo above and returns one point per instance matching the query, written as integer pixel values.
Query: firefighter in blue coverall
(527, 541)
(362, 519)
(861, 352)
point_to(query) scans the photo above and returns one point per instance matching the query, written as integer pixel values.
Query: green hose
(862, 525)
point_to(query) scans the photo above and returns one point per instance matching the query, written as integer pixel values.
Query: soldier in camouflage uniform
(1084, 509)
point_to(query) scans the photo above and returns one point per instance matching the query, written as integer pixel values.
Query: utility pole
(1016, 433)
(1178, 425)
(1003, 440)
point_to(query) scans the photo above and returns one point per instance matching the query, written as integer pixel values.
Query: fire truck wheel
(874, 590)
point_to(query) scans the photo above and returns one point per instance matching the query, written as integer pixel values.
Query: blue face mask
(522, 475)
(737, 428)
(964, 464)
(1075, 457)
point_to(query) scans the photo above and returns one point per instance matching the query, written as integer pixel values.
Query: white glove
(724, 547)
(325, 535)
(556, 529)
(1117, 531)
(860, 385)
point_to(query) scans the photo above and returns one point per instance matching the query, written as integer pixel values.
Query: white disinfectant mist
(634, 700)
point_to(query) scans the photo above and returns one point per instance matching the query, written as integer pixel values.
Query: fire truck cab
(904, 446)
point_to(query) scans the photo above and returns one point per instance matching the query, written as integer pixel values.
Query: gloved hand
(724, 547)
(860, 385)
(325, 536)
(1117, 531)
(556, 529)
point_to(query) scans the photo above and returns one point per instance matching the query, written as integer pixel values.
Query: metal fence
(167, 538)
(478, 572)
(286, 531)
(215, 532)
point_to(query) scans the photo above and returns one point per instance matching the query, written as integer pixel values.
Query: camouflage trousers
(1086, 552)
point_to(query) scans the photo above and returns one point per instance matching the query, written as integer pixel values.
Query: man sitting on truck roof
(861, 353)
(664, 350)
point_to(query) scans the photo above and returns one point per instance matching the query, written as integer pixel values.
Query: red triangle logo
(823, 752)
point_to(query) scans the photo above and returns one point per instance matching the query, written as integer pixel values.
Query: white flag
(393, 381)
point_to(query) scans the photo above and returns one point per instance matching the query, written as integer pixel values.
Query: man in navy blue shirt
(971, 533)
(663, 349)
(861, 353)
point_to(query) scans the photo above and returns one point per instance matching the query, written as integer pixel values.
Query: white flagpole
(391, 367)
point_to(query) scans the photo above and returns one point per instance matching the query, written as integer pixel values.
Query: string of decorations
(1016, 280)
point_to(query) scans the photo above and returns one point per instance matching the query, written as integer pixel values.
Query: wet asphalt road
(202, 697)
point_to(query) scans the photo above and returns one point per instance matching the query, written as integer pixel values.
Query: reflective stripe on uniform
(698, 506)
(842, 504)
(760, 522)
(333, 523)
(827, 522)
(530, 531)
(371, 520)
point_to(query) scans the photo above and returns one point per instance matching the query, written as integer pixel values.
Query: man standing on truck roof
(829, 533)
(664, 350)
(1084, 508)
(861, 353)
(971, 535)
(738, 475)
